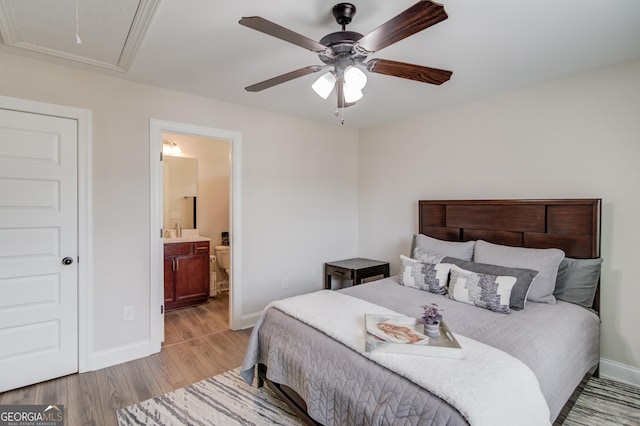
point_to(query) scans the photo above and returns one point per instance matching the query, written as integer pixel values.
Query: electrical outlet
(128, 314)
(285, 283)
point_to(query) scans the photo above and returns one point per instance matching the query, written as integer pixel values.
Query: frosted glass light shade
(351, 94)
(324, 85)
(355, 78)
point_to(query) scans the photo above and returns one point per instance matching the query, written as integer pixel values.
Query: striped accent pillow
(482, 290)
(426, 276)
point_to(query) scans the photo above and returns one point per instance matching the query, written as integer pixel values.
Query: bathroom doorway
(196, 205)
(191, 139)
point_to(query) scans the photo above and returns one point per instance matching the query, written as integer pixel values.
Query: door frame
(84, 119)
(156, 291)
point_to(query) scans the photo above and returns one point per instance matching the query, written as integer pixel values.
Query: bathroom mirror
(180, 191)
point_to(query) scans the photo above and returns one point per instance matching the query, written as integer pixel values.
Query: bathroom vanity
(186, 272)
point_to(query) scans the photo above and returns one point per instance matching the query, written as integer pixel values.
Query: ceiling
(197, 46)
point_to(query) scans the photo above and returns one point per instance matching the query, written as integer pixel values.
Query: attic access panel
(111, 31)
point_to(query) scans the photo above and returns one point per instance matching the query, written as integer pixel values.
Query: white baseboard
(119, 355)
(621, 372)
(249, 320)
(127, 353)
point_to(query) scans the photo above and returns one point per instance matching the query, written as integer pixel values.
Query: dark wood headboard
(572, 225)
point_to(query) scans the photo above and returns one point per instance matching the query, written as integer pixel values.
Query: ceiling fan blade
(260, 24)
(284, 78)
(409, 71)
(415, 19)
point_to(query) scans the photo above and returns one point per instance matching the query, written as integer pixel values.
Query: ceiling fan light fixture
(355, 78)
(324, 85)
(351, 94)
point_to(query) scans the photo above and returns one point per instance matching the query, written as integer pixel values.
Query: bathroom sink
(188, 236)
(189, 239)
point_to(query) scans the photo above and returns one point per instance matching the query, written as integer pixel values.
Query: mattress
(559, 343)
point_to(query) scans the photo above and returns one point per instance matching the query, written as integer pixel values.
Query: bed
(328, 382)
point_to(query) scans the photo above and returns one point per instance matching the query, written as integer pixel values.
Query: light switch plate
(128, 313)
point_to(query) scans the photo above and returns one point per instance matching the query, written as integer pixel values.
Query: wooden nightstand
(355, 269)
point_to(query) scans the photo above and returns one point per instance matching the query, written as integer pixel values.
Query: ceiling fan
(344, 52)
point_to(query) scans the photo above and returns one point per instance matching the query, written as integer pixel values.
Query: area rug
(606, 402)
(226, 399)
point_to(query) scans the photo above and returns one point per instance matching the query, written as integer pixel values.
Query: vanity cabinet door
(192, 279)
(169, 287)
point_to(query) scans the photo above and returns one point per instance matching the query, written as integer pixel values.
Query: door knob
(67, 261)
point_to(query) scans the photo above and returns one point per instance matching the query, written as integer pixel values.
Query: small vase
(432, 330)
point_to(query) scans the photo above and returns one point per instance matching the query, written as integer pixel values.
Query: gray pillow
(424, 256)
(519, 291)
(455, 249)
(483, 290)
(545, 261)
(577, 281)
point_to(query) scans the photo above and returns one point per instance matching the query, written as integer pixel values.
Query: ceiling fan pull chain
(78, 41)
(340, 113)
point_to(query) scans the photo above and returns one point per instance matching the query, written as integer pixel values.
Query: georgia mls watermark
(31, 415)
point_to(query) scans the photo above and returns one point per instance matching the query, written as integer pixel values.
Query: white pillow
(545, 261)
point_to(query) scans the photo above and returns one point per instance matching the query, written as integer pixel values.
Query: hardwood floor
(188, 323)
(198, 344)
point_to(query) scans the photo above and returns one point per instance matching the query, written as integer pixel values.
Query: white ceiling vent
(110, 31)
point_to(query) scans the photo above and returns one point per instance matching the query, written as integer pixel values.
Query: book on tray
(404, 335)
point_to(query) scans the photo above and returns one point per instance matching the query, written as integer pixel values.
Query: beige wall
(577, 137)
(298, 191)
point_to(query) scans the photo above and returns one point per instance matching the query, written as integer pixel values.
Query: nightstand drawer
(338, 272)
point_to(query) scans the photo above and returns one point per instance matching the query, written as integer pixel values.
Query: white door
(38, 248)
